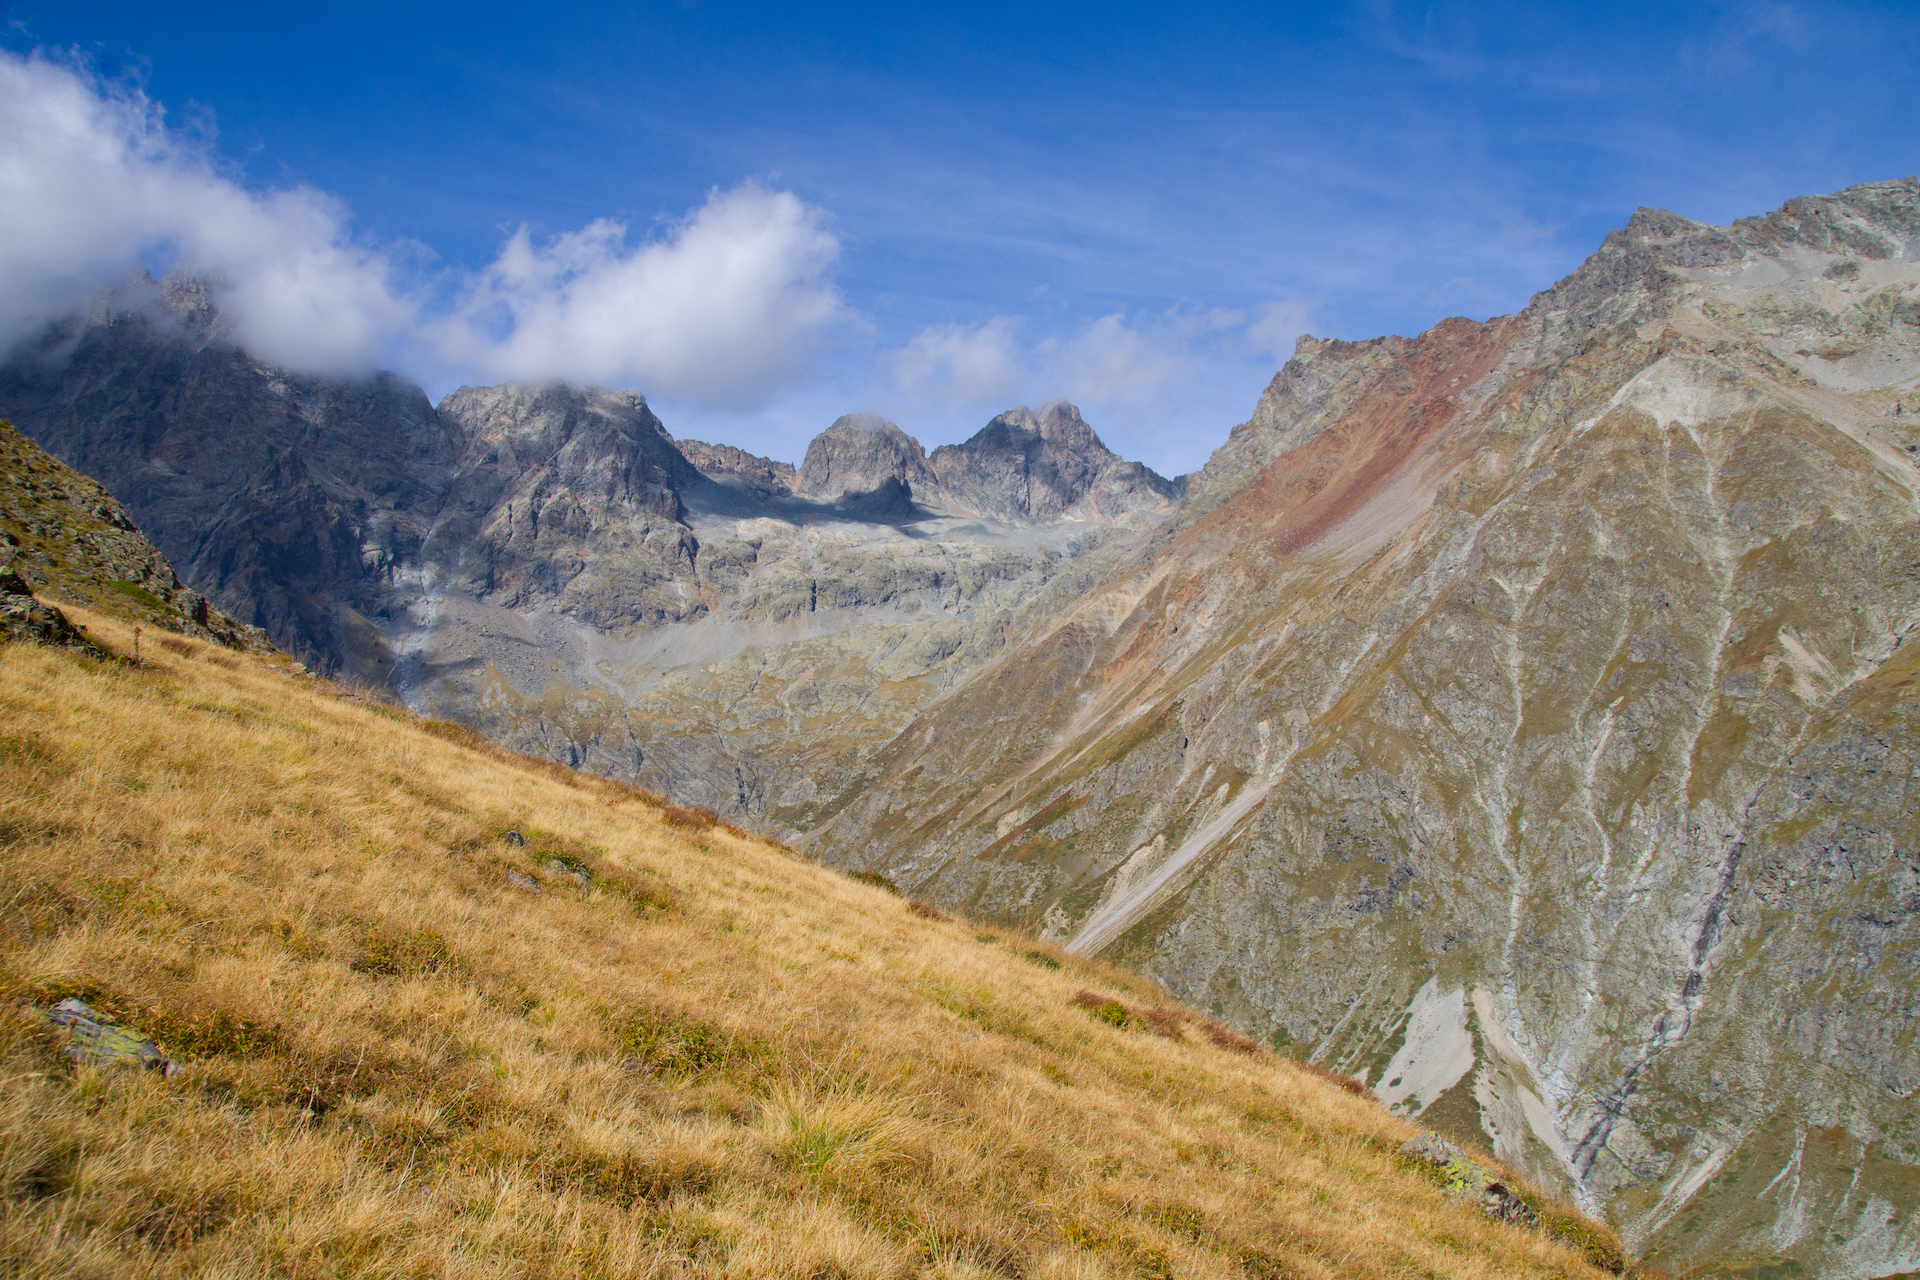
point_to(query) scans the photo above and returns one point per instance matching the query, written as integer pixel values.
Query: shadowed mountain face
(294, 502)
(1519, 715)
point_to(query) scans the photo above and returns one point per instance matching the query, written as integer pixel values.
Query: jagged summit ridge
(1022, 466)
(1044, 467)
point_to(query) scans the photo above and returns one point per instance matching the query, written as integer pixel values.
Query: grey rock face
(570, 497)
(1044, 467)
(863, 462)
(1315, 388)
(763, 478)
(289, 500)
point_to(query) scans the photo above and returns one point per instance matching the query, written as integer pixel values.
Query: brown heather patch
(689, 1054)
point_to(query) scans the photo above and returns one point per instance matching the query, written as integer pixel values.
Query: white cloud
(1112, 359)
(1276, 327)
(733, 302)
(92, 184)
(963, 364)
(727, 305)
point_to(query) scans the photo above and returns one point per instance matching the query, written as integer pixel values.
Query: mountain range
(1517, 717)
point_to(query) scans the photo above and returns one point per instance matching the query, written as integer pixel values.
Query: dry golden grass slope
(712, 1059)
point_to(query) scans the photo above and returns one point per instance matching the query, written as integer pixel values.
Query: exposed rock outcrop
(566, 497)
(865, 465)
(94, 1041)
(64, 536)
(763, 478)
(1043, 467)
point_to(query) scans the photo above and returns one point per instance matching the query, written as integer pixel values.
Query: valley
(1516, 718)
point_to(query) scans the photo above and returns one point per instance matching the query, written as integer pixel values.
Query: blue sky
(935, 212)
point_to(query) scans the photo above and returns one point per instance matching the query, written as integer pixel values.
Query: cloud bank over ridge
(731, 303)
(729, 316)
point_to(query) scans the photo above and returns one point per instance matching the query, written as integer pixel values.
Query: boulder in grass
(1465, 1178)
(558, 869)
(94, 1042)
(24, 618)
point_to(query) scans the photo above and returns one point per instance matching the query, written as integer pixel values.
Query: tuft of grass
(714, 1058)
(837, 1136)
(139, 595)
(688, 1046)
(408, 953)
(689, 819)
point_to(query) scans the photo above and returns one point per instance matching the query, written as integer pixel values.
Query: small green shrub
(687, 1046)
(139, 595)
(1102, 1009)
(402, 955)
(875, 879)
(207, 1034)
(1181, 1219)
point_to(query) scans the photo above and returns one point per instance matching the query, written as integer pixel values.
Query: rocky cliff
(1522, 717)
(65, 540)
(1046, 466)
(565, 498)
(294, 502)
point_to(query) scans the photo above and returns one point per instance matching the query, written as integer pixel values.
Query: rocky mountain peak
(866, 464)
(605, 443)
(1044, 467)
(567, 495)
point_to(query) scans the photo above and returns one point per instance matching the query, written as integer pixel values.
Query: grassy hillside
(687, 1053)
